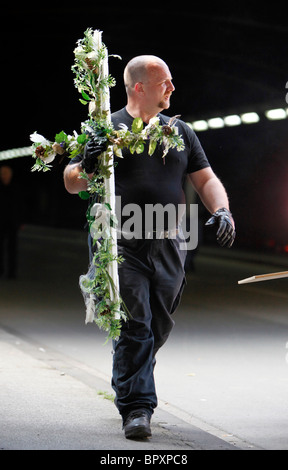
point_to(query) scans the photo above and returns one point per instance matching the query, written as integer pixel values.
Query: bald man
(152, 275)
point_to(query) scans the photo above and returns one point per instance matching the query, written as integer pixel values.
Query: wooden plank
(264, 277)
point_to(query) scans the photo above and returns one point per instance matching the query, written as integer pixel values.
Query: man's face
(158, 87)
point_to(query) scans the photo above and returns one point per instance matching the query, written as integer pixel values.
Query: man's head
(148, 83)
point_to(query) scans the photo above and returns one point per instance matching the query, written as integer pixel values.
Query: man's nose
(171, 86)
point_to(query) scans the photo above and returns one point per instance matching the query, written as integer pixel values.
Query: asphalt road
(222, 377)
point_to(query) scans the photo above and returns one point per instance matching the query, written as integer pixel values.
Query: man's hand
(224, 222)
(92, 151)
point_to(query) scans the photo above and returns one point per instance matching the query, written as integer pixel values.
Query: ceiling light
(232, 120)
(200, 125)
(249, 118)
(274, 114)
(15, 153)
(215, 123)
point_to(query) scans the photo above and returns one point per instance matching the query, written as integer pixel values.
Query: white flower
(154, 121)
(72, 140)
(39, 139)
(43, 143)
(92, 55)
(79, 53)
(50, 157)
(123, 127)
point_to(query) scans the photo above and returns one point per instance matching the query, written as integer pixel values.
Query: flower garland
(97, 285)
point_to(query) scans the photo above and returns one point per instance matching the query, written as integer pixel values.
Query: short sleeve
(76, 159)
(197, 159)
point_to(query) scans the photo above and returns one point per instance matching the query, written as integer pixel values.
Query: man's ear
(139, 87)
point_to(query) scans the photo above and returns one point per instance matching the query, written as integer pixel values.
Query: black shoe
(137, 425)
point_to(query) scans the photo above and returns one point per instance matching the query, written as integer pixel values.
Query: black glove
(223, 220)
(92, 151)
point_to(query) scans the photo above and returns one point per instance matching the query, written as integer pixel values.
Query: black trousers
(151, 282)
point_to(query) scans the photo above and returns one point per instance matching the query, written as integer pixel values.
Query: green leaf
(61, 137)
(84, 195)
(152, 147)
(83, 102)
(85, 96)
(140, 148)
(82, 139)
(137, 125)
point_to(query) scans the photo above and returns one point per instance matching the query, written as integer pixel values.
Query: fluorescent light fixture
(215, 123)
(236, 119)
(200, 125)
(250, 118)
(232, 120)
(274, 114)
(15, 153)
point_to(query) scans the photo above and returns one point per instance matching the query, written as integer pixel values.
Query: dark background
(224, 58)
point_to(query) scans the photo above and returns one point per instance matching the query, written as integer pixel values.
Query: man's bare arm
(210, 189)
(72, 180)
(214, 197)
